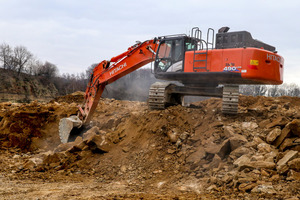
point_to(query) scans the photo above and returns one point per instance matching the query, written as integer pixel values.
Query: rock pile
(196, 149)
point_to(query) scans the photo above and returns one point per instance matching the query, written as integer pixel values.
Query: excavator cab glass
(170, 54)
(171, 51)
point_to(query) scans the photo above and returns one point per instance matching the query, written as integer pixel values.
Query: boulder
(183, 136)
(196, 156)
(238, 152)
(295, 127)
(270, 157)
(263, 164)
(284, 133)
(77, 147)
(212, 148)
(90, 133)
(289, 142)
(264, 148)
(257, 140)
(275, 178)
(246, 186)
(215, 162)
(293, 175)
(216, 124)
(244, 159)
(280, 121)
(29, 164)
(249, 125)
(99, 144)
(257, 158)
(53, 158)
(224, 149)
(287, 157)
(255, 164)
(32, 163)
(171, 151)
(268, 189)
(228, 131)
(68, 146)
(282, 167)
(227, 178)
(273, 135)
(264, 173)
(173, 135)
(125, 149)
(253, 144)
(294, 164)
(264, 123)
(237, 141)
(296, 148)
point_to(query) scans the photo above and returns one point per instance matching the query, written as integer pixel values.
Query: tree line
(20, 60)
(286, 89)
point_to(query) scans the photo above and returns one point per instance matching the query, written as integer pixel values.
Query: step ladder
(202, 46)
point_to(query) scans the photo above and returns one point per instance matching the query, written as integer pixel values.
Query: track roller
(161, 96)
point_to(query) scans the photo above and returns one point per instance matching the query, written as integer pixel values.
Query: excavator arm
(105, 73)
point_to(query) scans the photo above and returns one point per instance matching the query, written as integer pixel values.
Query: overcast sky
(73, 34)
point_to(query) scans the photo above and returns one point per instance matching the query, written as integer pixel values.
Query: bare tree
(260, 90)
(48, 70)
(20, 58)
(6, 56)
(294, 90)
(32, 66)
(255, 90)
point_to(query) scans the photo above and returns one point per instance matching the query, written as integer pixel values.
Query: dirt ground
(130, 152)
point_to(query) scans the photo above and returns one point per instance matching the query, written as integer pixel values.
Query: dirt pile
(75, 97)
(180, 150)
(32, 126)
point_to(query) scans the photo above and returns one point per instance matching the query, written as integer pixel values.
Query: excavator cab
(177, 55)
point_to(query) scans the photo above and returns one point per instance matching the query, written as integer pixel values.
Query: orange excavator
(214, 66)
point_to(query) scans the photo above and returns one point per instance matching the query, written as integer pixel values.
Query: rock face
(25, 88)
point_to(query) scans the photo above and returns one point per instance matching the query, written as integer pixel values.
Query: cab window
(169, 52)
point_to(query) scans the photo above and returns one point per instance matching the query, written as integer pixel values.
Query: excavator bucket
(66, 125)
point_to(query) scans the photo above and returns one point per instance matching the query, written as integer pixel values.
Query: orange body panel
(257, 65)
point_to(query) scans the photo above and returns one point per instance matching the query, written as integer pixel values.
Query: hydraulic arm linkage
(105, 73)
